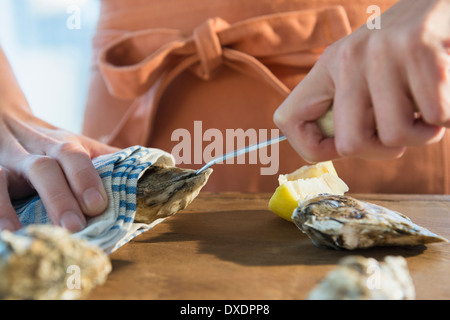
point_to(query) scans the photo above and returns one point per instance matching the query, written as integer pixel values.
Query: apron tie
(140, 65)
(208, 46)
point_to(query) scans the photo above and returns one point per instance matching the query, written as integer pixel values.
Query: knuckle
(310, 154)
(85, 176)
(410, 43)
(39, 163)
(393, 138)
(338, 56)
(346, 55)
(348, 147)
(60, 198)
(328, 53)
(412, 38)
(377, 44)
(278, 118)
(419, 46)
(283, 117)
(67, 149)
(326, 61)
(438, 114)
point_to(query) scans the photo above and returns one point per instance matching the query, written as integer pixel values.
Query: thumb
(297, 115)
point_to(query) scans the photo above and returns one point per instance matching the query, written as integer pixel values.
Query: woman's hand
(38, 157)
(54, 163)
(389, 88)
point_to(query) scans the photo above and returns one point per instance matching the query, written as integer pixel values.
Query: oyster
(342, 222)
(47, 262)
(162, 191)
(360, 278)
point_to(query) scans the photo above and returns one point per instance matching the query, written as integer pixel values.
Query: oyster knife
(238, 152)
(325, 124)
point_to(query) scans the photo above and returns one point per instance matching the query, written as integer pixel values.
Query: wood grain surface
(230, 246)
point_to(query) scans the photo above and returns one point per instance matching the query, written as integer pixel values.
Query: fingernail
(72, 221)
(93, 200)
(6, 224)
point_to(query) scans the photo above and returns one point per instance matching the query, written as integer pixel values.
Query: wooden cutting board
(230, 246)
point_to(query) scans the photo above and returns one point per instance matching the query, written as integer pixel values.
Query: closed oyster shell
(360, 278)
(47, 262)
(342, 222)
(163, 191)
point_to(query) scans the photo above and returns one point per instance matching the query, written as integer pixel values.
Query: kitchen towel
(120, 173)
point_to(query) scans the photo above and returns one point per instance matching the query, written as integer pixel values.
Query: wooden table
(230, 246)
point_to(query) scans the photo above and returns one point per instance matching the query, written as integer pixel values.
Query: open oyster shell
(46, 262)
(163, 191)
(360, 278)
(342, 222)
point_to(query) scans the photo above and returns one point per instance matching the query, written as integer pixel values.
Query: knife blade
(241, 151)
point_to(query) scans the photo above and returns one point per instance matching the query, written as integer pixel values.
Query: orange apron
(200, 73)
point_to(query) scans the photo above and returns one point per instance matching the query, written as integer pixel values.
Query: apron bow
(132, 64)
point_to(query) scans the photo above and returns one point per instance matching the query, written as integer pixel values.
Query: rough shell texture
(342, 222)
(47, 262)
(360, 278)
(163, 191)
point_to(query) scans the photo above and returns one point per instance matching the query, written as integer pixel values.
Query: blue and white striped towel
(120, 172)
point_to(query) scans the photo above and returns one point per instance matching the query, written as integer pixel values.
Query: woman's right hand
(36, 157)
(389, 88)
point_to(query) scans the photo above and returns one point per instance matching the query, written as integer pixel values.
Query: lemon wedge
(307, 172)
(283, 202)
(302, 184)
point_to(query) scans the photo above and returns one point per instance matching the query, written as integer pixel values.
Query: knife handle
(326, 124)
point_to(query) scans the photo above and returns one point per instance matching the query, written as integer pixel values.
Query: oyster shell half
(360, 278)
(342, 222)
(47, 262)
(162, 191)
